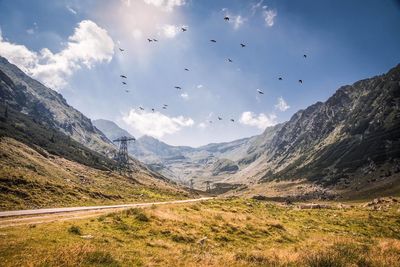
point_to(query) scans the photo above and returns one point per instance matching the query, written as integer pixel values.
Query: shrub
(100, 258)
(75, 230)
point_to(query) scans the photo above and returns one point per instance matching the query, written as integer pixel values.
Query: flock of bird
(184, 29)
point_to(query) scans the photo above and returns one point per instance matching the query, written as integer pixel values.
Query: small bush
(75, 230)
(100, 258)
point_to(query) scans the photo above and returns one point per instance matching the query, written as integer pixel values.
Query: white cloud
(167, 5)
(260, 121)
(155, 124)
(126, 2)
(238, 21)
(170, 31)
(202, 125)
(185, 96)
(89, 45)
(137, 34)
(33, 29)
(269, 17)
(70, 9)
(282, 105)
(199, 86)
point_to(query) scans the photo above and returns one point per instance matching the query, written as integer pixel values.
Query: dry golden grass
(235, 232)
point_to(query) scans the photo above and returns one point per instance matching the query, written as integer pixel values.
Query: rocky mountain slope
(358, 128)
(32, 98)
(353, 133)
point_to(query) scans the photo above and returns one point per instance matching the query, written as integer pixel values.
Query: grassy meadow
(219, 232)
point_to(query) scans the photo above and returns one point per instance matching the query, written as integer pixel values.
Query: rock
(87, 237)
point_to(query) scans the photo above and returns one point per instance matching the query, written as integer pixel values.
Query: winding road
(37, 216)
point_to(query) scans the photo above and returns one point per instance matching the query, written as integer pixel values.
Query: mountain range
(343, 142)
(336, 142)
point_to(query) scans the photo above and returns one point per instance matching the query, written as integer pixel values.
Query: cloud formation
(282, 105)
(260, 121)
(89, 45)
(167, 5)
(269, 17)
(170, 31)
(155, 124)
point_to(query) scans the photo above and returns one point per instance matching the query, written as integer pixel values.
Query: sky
(73, 47)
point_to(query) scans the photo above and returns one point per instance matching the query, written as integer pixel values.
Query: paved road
(39, 216)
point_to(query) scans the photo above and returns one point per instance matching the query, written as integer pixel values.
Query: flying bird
(152, 109)
(226, 18)
(280, 78)
(150, 40)
(178, 87)
(184, 29)
(164, 107)
(124, 83)
(122, 76)
(300, 81)
(186, 69)
(122, 50)
(213, 41)
(127, 91)
(260, 92)
(141, 108)
(305, 56)
(155, 40)
(232, 120)
(219, 118)
(210, 121)
(230, 60)
(242, 45)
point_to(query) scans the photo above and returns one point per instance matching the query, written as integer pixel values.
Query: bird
(164, 107)
(213, 41)
(300, 81)
(122, 50)
(242, 45)
(155, 40)
(152, 109)
(184, 29)
(127, 91)
(178, 87)
(150, 40)
(260, 92)
(141, 108)
(226, 18)
(219, 118)
(122, 76)
(230, 60)
(124, 83)
(232, 120)
(305, 56)
(280, 78)
(210, 121)
(186, 69)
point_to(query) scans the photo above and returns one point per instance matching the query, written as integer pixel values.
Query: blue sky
(345, 41)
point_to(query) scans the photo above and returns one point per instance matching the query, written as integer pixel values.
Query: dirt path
(26, 217)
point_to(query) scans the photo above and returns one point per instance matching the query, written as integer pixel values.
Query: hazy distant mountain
(110, 129)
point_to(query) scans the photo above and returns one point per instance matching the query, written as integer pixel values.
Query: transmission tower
(122, 156)
(208, 186)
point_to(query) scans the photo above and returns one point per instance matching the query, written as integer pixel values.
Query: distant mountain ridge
(326, 142)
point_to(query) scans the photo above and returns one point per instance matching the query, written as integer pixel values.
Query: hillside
(355, 130)
(335, 144)
(34, 178)
(32, 98)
